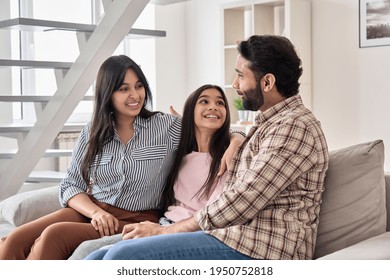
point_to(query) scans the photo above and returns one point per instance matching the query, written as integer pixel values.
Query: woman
(118, 169)
(193, 182)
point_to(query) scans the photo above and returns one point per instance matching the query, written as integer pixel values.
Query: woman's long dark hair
(102, 128)
(217, 147)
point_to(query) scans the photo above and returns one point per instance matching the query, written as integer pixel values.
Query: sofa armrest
(387, 180)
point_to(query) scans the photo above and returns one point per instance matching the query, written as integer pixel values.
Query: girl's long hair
(217, 147)
(102, 128)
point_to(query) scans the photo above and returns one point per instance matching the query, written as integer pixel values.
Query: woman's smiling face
(129, 99)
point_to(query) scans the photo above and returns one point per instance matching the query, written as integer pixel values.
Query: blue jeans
(180, 246)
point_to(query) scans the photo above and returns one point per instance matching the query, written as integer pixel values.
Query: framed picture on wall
(374, 23)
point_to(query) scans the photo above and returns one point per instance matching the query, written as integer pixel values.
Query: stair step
(34, 98)
(43, 176)
(30, 24)
(26, 127)
(166, 2)
(10, 153)
(35, 64)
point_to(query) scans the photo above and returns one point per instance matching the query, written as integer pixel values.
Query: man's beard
(253, 99)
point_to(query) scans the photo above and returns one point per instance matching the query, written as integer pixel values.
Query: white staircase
(96, 43)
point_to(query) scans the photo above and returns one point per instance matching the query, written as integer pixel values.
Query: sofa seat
(374, 248)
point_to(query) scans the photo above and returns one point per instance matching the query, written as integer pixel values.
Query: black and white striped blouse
(129, 176)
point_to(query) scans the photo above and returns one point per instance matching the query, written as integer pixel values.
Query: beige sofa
(353, 221)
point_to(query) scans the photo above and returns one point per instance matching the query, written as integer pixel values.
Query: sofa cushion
(353, 205)
(27, 206)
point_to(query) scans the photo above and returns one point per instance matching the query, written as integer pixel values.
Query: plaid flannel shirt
(271, 207)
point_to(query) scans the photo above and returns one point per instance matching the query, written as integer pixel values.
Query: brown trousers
(57, 235)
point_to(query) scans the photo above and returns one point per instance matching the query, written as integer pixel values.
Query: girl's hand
(235, 141)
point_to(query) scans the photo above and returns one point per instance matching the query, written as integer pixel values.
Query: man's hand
(147, 228)
(143, 229)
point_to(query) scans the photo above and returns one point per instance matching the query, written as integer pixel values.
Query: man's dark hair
(276, 55)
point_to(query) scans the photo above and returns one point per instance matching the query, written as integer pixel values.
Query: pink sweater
(192, 175)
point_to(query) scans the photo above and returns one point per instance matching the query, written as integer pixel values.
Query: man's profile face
(247, 85)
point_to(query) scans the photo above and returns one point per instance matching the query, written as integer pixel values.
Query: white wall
(171, 58)
(351, 86)
(190, 55)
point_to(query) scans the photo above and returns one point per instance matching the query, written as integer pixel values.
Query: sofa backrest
(354, 201)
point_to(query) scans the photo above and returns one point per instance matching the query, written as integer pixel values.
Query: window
(62, 46)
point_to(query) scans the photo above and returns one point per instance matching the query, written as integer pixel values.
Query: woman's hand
(105, 223)
(102, 221)
(173, 111)
(142, 229)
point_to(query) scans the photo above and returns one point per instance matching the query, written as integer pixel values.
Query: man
(271, 207)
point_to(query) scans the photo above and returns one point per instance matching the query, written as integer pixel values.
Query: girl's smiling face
(210, 110)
